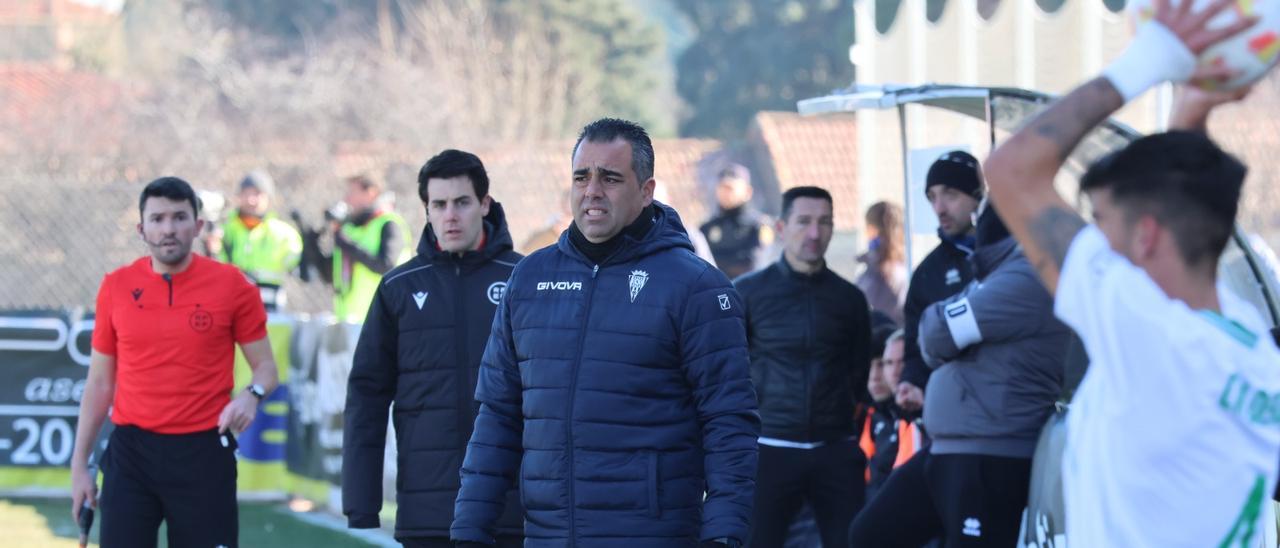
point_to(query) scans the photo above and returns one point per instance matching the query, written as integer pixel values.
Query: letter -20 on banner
(44, 360)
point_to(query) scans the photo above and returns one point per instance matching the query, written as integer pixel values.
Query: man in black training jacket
(420, 348)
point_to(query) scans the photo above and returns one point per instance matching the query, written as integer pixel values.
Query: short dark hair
(880, 335)
(171, 188)
(605, 130)
(452, 163)
(1184, 180)
(789, 197)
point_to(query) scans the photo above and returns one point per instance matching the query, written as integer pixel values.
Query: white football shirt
(1173, 438)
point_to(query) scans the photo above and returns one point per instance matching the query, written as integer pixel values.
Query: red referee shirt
(174, 341)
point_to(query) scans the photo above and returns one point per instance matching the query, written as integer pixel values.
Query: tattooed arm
(1020, 172)
(1020, 175)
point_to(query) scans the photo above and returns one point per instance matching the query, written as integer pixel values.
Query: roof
(793, 150)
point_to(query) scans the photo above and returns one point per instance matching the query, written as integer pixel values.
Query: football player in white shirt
(1174, 434)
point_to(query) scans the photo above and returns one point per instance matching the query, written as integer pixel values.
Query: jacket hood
(667, 232)
(497, 239)
(990, 256)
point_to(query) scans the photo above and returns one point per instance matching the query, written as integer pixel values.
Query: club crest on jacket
(636, 281)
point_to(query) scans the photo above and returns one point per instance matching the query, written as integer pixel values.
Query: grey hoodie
(997, 353)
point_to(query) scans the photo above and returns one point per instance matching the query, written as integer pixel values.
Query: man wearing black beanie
(954, 188)
(996, 353)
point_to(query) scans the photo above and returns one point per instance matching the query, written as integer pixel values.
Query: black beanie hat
(259, 179)
(957, 169)
(990, 228)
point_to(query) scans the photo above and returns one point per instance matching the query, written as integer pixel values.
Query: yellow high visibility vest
(267, 252)
(355, 287)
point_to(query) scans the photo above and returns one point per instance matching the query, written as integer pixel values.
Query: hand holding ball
(1243, 58)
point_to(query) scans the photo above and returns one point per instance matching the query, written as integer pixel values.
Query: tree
(612, 59)
(760, 55)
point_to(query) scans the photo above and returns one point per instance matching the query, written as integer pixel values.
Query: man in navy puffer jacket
(615, 387)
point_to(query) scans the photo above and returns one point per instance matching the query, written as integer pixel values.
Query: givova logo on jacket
(559, 286)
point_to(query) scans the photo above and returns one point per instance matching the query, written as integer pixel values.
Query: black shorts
(187, 481)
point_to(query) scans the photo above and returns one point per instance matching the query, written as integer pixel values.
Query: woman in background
(884, 280)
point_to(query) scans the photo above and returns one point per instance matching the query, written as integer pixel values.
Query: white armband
(962, 324)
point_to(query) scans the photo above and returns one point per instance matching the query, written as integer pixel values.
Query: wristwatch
(257, 390)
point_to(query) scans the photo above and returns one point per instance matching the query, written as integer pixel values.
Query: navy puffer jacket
(616, 395)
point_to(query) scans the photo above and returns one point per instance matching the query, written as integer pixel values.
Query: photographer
(368, 240)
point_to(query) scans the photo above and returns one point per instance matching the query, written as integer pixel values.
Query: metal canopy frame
(980, 103)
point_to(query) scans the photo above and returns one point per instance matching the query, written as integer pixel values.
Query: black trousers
(967, 500)
(504, 541)
(830, 478)
(185, 480)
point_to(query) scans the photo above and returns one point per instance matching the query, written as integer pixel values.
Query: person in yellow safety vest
(258, 242)
(368, 241)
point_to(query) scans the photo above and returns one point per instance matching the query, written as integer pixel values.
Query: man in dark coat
(615, 387)
(419, 349)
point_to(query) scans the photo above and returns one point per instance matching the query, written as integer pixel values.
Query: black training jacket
(419, 349)
(810, 340)
(943, 273)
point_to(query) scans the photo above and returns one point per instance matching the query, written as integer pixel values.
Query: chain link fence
(63, 234)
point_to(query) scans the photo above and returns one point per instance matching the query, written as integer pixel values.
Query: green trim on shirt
(1231, 327)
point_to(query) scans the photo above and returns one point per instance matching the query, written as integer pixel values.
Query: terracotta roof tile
(794, 150)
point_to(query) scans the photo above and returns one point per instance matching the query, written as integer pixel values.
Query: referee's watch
(257, 390)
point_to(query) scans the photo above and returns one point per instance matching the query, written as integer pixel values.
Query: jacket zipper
(464, 375)
(808, 364)
(573, 390)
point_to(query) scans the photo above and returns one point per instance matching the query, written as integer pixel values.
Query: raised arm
(1021, 171)
(1193, 105)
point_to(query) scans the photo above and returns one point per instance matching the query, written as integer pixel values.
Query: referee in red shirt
(163, 357)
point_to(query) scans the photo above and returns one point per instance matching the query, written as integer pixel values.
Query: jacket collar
(785, 268)
(667, 232)
(989, 257)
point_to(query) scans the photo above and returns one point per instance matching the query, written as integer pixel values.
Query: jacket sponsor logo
(420, 298)
(560, 286)
(137, 294)
(972, 527)
(724, 302)
(636, 281)
(496, 291)
(953, 277)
